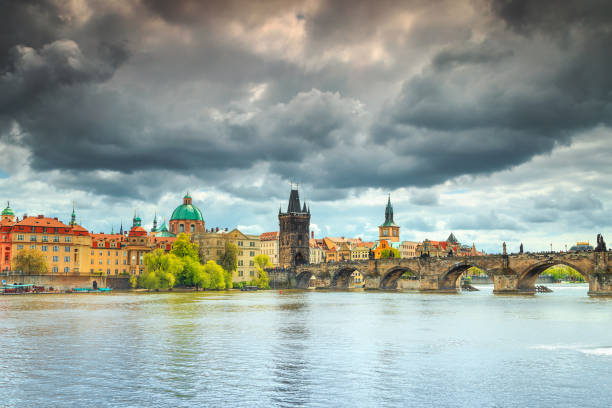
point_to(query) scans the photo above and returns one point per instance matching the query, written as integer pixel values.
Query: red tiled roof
(269, 236)
(42, 222)
(137, 232)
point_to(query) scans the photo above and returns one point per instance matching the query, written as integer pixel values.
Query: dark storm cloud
(113, 94)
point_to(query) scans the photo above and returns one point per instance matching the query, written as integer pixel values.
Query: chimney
(217, 229)
(55, 218)
(25, 216)
(225, 229)
(40, 216)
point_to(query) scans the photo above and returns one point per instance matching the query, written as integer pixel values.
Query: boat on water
(90, 290)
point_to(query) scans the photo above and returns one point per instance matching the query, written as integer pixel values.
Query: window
(240, 263)
(395, 233)
(252, 273)
(108, 262)
(66, 269)
(67, 249)
(92, 261)
(43, 248)
(66, 259)
(19, 237)
(240, 243)
(252, 243)
(55, 248)
(45, 238)
(251, 263)
(218, 252)
(67, 239)
(54, 269)
(385, 232)
(108, 271)
(240, 273)
(116, 271)
(91, 270)
(55, 258)
(33, 238)
(182, 227)
(32, 246)
(19, 246)
(93, 252)
(56, 238)
(240, 253)
(116, 262)
(192, 228)
(252, 253)
(33, 229)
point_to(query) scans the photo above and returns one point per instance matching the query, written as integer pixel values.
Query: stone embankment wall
(65, 282)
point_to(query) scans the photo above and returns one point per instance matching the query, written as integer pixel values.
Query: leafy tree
(229, 259)
(216, 274)
(133, 281)
(195, 274)
(161, 269)
(389, 253)
(563, 272)
(30, 262)
(262, 261)
(183, 247)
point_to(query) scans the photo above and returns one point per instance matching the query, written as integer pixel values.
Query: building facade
(109, 254)
(212, 247)
(408, 249)
(269, 246)
(294, 231)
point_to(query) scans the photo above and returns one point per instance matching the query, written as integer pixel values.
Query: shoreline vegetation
(183, 268)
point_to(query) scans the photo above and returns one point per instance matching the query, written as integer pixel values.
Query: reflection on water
(306, 349)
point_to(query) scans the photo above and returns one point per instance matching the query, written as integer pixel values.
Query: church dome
(8, 211)
(187, 211)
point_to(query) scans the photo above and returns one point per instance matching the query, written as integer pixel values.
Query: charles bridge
(511, 274)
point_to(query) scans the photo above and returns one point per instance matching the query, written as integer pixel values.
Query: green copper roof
(8, 211)
(187, 212)
(389, 215)
(163, 231)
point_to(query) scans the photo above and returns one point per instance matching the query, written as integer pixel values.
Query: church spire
(73, 217)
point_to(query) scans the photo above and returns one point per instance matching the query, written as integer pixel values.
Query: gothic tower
(389, 230)
(293, 237)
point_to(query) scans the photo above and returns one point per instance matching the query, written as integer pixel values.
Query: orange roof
(269, 236)
(107, 236)
(42, 222)
(78, 230)
(137, 232)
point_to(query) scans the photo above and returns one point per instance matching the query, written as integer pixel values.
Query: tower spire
(73, 217)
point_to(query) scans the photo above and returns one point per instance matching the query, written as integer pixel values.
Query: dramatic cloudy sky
(489, 118)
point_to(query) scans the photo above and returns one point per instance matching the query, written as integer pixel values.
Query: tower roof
(294, 202)
(8, 210)
(452, 238)
(389, 215)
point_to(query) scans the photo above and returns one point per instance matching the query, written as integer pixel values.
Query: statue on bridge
(521, 248)
(601, 244)
(450, 253)
(504, 249)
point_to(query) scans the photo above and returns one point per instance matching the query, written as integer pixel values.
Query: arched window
(182, 228)
(192, 228)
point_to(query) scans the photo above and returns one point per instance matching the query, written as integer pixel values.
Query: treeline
(182, 267)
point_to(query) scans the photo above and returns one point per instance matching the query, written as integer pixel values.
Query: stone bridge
(515, 273)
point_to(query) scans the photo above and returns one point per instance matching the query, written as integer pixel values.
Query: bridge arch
(449, 279)
(302, 279)
(341, 278)
(529, 276)
(390, 278)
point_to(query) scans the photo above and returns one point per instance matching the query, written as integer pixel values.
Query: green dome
(187, 212)
(7, 211)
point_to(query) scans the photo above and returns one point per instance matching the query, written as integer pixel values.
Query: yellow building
(360, 253)
(212, 247)
(109, 254)
(66, 247)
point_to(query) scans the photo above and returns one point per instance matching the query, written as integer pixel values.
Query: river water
(357, 349)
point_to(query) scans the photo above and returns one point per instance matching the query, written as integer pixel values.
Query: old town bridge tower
(293, 237)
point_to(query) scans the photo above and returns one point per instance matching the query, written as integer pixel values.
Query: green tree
(133, 281)
(262, 261)
(161, 269)
(563, 272)
(389, 253)
(183, 247)
(229, 259)
(30, 262)
(196, 274)
(216, 274)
